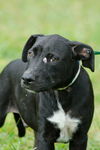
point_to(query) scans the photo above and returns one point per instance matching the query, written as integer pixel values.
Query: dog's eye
(30, 53)
(54, 59)
(48, 59)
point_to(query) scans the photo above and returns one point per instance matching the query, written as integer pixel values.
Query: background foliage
(76, 20)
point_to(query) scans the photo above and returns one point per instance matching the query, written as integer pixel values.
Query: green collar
(74, 79)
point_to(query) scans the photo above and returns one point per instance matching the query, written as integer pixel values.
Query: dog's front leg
(42, 144)
(79, 143)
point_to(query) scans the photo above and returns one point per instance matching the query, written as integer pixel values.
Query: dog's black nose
(27, 80)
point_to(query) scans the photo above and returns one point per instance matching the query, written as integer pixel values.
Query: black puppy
(61, 109)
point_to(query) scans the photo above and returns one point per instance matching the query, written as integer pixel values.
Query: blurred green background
(76, 20)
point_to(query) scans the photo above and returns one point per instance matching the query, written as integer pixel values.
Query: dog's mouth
(30, 91)
(36, 88)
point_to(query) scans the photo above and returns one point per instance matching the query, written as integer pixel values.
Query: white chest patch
(65, 123)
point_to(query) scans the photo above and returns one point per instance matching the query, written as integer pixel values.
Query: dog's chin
(38, 90)
(34, 91)
(31, 91)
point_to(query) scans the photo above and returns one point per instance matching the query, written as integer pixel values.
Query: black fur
(45, 76)
(7, 101)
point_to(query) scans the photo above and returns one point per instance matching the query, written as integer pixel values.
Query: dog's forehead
(52, 42)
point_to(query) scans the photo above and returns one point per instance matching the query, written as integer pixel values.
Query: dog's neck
(73, 80)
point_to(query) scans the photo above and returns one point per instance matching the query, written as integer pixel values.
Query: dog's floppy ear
(30, 42)
(83, 52)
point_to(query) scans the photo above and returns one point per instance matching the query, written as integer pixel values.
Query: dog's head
(51, 60)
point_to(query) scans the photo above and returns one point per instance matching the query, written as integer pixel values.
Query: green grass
(75, 20)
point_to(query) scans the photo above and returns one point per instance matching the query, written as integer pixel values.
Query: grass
(76, 20)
